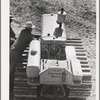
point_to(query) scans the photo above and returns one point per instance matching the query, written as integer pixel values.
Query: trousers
(14, 59)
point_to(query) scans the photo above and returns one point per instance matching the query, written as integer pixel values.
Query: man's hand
(12, 39)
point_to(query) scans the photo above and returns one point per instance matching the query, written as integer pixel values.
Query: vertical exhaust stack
(61, 17)
(33, 63)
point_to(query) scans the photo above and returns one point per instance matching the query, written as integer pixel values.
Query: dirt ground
(80, 23)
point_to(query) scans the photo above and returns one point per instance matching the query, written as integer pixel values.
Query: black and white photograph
(51, 50)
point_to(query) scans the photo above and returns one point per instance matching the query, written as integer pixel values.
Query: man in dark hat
(12, 34)
(17, 50)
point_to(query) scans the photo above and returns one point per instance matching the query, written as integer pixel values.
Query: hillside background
(80, 23)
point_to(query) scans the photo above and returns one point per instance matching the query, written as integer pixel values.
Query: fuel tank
(33, 63)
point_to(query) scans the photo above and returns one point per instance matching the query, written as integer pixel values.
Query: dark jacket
(23, 40)
(12, 34)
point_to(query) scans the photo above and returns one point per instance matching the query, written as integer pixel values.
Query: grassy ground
(80, 23)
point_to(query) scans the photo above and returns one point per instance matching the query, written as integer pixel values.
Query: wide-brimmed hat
(29, 25)
(12, 17)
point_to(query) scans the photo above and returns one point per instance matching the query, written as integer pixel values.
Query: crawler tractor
(53, 66)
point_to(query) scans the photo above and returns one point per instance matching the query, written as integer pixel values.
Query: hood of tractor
(60, 72)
